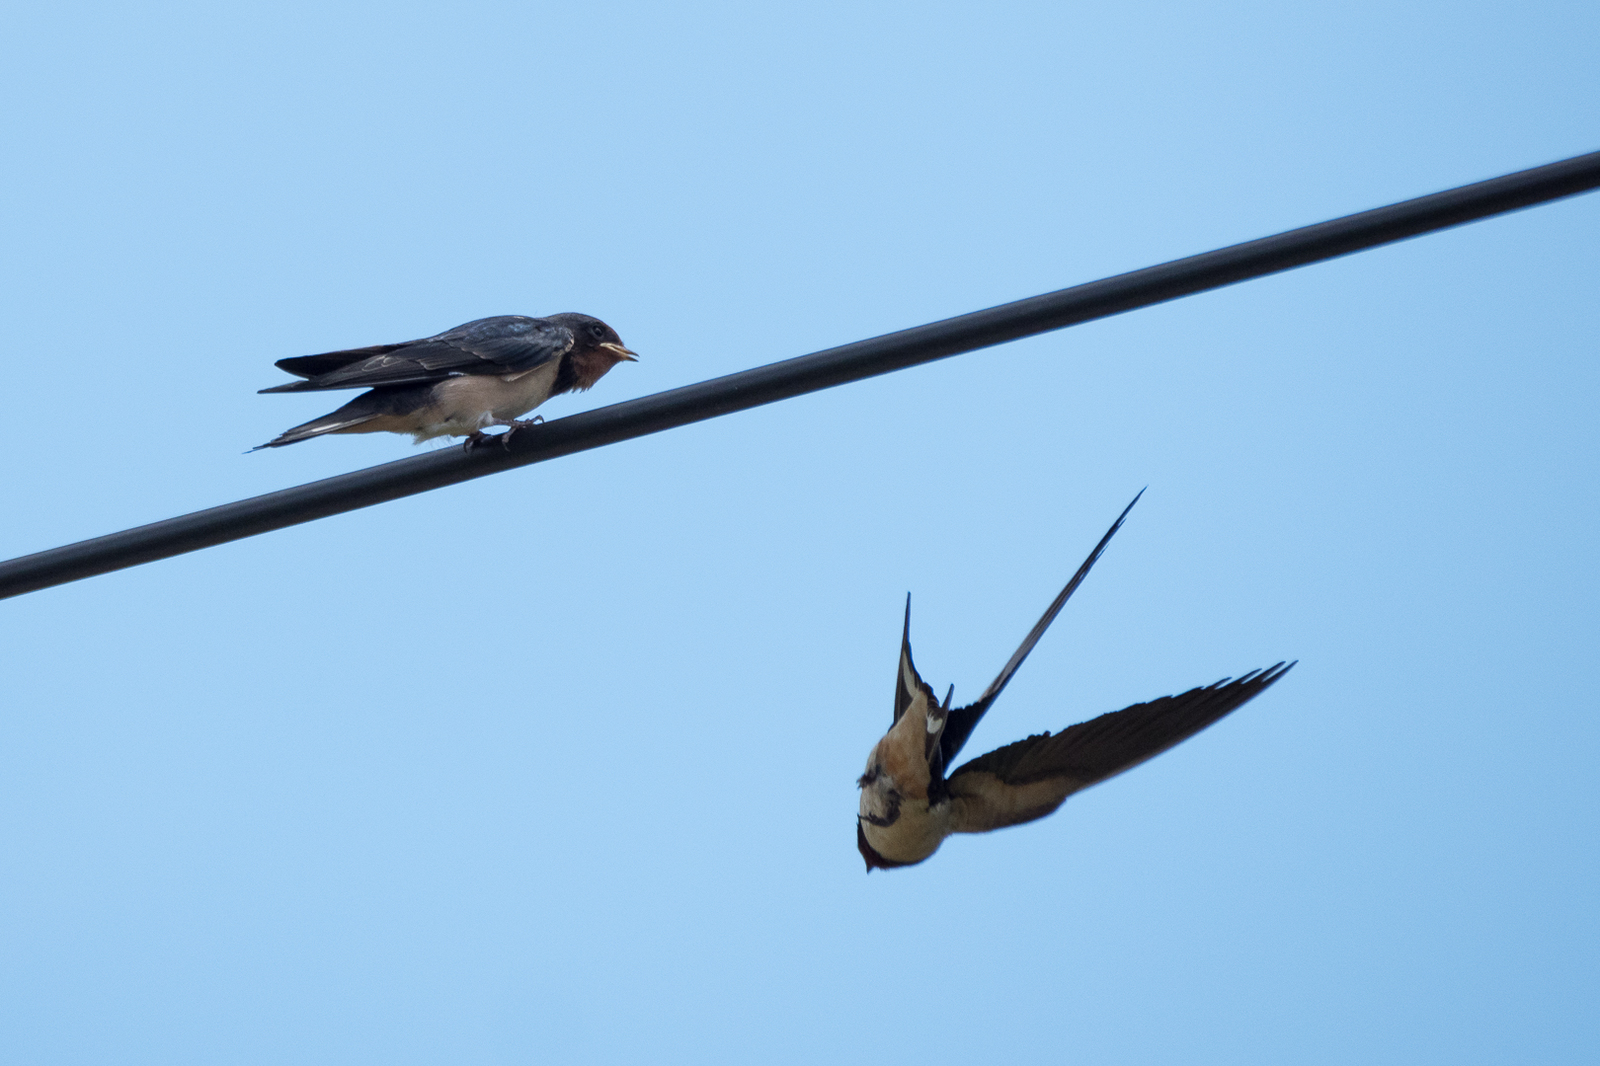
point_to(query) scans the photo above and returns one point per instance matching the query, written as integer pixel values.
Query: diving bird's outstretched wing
(1031, 778)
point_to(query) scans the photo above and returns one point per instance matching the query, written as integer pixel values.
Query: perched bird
(908, 805)
(480, 374)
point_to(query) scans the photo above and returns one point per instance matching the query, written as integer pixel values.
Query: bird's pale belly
(467, 404)
(915, 834)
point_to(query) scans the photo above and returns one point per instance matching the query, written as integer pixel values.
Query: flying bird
(484, 373)
(909, 805)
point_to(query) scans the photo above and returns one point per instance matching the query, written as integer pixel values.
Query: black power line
(808, 373)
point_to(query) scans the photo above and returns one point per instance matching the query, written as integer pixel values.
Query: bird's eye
(597, 331)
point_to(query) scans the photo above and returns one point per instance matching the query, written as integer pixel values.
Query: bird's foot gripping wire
(479, 438)
(514, 424)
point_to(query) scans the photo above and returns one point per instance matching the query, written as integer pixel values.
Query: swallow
(908, 805)
(459, 382)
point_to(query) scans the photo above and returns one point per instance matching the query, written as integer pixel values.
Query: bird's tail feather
(333, 423)
(963, 720)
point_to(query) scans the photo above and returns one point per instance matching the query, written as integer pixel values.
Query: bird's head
(596, 348)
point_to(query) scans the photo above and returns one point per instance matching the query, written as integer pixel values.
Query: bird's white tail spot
(934, 722)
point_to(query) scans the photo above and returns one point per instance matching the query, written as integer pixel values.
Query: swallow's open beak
(621, 352)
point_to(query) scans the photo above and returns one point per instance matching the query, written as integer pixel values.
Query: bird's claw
(478, 438)
(514, 424)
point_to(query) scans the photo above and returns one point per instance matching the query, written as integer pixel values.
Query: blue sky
(558, 766)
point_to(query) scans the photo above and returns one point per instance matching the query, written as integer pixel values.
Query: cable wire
(807, 373)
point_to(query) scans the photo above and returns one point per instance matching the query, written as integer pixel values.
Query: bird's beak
(621, 352)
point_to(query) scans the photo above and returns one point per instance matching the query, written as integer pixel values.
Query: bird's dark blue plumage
(505, 344)
(487, 372)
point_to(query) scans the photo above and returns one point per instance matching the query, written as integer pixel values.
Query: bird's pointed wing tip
(1275, 671)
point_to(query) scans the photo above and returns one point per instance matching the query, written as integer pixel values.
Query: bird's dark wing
(1031, 778)
(958, 727)
(311, 366)
(508, 344)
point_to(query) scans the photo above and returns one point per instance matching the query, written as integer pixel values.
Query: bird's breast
(911, 837)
